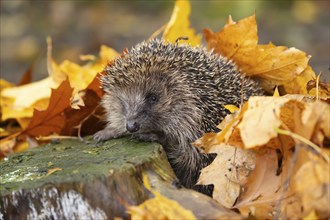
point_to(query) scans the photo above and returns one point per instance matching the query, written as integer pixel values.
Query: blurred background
(80, 27)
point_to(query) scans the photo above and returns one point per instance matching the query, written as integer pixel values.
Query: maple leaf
(52, 119)
(274, 65)
(95, 86)
(75, 118)
(179, 25)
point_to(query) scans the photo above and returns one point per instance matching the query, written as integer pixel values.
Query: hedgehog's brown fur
(172, 94)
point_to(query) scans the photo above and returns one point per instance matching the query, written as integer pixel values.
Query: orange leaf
(95, 86)
(76, 117)
(273, 65)
(243, 34)
(52, 119)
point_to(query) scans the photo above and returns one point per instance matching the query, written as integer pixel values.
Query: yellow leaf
(311, 216)
(24, 96)
(22, 146)
(107, 54)
(276, 93)
(79, 76)
(5, 84)
(87, 57)
(298, 84)
(11, 111)
(19, 101)
(231, 108)
(24, 122)
(227, 134)
(179, 25)
(158, 207)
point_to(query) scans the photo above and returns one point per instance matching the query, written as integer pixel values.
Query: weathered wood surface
(91, 181)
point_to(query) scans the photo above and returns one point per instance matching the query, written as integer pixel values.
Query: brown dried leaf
(263, 183)
(228, 172)
(75, 117)
(51, 120)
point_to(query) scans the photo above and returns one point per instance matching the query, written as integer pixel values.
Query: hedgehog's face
(139, 110)
(143, 104)
(149, 94)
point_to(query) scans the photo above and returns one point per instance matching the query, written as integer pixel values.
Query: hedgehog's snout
(132, 126)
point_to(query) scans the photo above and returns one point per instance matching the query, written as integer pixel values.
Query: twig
(304, 140)
(287, 181)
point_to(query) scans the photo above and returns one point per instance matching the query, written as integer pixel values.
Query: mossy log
(75, 180)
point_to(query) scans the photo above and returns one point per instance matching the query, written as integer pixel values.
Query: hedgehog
(172, 94)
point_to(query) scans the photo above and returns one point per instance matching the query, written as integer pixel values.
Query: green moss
(78, 161)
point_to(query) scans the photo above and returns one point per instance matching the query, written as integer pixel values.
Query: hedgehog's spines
(193, 85)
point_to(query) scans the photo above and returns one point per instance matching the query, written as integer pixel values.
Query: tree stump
(75, 180)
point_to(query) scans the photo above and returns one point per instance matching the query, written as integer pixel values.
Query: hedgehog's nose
(132, 126)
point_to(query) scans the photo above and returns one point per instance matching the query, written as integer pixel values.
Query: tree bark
(75, 180)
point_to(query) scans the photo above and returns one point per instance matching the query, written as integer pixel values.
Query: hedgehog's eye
(152, 98)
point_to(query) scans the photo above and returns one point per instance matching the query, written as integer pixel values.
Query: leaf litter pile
(272, 151)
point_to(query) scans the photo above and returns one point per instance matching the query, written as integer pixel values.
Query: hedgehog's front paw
(105, 134)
